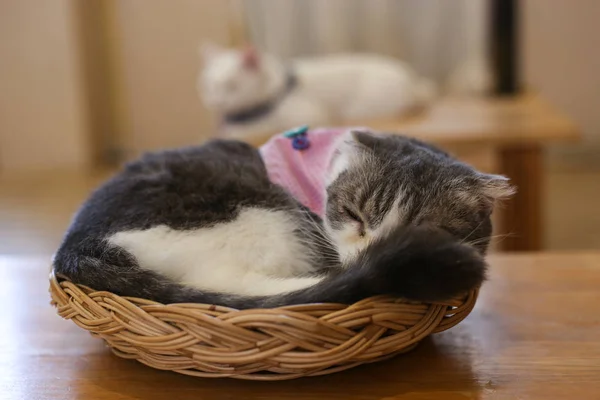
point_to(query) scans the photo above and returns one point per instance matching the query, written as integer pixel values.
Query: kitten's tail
(424, 264)
(420, 263)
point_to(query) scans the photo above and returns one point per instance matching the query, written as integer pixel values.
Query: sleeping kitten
(205, 224)
(256, 93)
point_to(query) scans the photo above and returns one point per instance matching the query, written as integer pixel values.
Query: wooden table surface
(495, 120)
(535, 334)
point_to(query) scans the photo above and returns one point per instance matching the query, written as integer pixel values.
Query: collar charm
(299, 139)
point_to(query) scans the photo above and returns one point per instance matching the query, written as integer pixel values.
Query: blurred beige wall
(561, 59)
(59, 106)
(153, 64)
(42, 117)
(158, 56)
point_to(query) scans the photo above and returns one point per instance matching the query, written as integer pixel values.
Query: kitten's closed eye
(354, 217)
(352, 214)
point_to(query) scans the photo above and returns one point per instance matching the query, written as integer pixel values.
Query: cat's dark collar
(264, 108)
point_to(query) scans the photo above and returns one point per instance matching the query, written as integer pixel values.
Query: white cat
(256, 93)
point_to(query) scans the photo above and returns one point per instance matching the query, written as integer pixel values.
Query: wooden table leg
(522, 215)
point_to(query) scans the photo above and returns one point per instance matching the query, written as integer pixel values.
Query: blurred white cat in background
(256, 93)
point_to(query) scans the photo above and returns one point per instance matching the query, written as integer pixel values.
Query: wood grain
(535, 334)
(522, 215)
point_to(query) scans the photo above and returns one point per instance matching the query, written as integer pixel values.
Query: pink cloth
(302, 172)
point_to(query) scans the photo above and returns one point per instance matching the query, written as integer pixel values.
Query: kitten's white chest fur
(255, 254)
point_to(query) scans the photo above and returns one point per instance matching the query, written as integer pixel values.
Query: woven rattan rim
(261, 344)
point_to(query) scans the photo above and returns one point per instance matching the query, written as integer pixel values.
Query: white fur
(255, 254)
(348, 241)
(333, 89)
(344, 156)
(394, 217)
(340, 163)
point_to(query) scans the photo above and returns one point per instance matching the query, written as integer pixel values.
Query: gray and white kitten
(204, 224)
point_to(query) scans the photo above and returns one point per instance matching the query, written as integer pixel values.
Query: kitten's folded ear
(364, 137)
(347, 151)
(496, 187)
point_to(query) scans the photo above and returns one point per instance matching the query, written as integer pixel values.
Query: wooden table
(534, 334)
(497, 135)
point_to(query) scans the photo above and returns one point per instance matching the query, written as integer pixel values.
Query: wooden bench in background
(498, 135)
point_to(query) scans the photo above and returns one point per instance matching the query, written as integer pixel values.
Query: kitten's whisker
(473, 231)
(314, 235)
(489, 238)
(319, 231)
(318, 241)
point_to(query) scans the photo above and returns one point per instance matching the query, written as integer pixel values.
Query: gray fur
(436, 188)
(423, 258)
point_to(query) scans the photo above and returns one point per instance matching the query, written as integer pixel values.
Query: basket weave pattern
(260, 344)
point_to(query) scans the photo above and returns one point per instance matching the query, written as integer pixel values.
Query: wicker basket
(260, 344)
